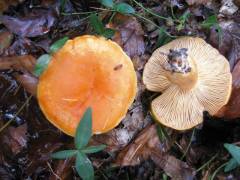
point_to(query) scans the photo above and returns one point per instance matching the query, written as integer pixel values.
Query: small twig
(189, 144)
(18, 112)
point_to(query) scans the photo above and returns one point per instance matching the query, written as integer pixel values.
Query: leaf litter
(26, 33)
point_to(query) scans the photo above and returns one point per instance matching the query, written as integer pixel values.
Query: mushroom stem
(181, 69)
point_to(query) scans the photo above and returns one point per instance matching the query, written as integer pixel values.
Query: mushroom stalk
(181, 69)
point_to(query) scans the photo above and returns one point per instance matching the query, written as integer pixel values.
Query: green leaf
(84, 167)
(96, 24)
(107, 3)
(184, 17)
(108, 33)
(163, 38)
(58, 44)
(42, 63)
(182, 20)
(164, 176)
(210, 21)
(124, 8)
(84, 130)
(234, 151)
(232, 164)
(161, 133)
(93, 149)
(64, 154)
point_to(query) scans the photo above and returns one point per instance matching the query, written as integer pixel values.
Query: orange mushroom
(88, 71)
(192, 76)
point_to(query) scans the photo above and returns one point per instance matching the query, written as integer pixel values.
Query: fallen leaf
(15, 138)
(40, 152)
(140, 148)
(231, 110)
(62, 169)
(5, 40)
(173, 167)
(25, 64)
(28, 81)
(228, 41)
(228, 8)
(31, 25)
(20, 63)
(129, 34)
(21, 46)
(140, 61)
(147, 145)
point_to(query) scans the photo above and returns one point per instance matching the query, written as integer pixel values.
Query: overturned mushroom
(192, 76)
(92, 72)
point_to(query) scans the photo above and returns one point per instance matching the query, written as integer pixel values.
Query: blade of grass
(189, 144)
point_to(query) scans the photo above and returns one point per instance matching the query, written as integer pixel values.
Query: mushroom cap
(88, 71)
(183, 109)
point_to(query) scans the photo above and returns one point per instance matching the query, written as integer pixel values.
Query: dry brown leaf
(5, 40)
(40, 152)
(28, 81)
(173, 167)
(21, 46)
(20, 63)
(36, 23)
(123, 134)
(231, 110)
(15, 138)
(62, 169)
(228, 8)
(229, 46)
(25, 64)
(147, 145)
(129, 35)
(140, 148)
(229, 43)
